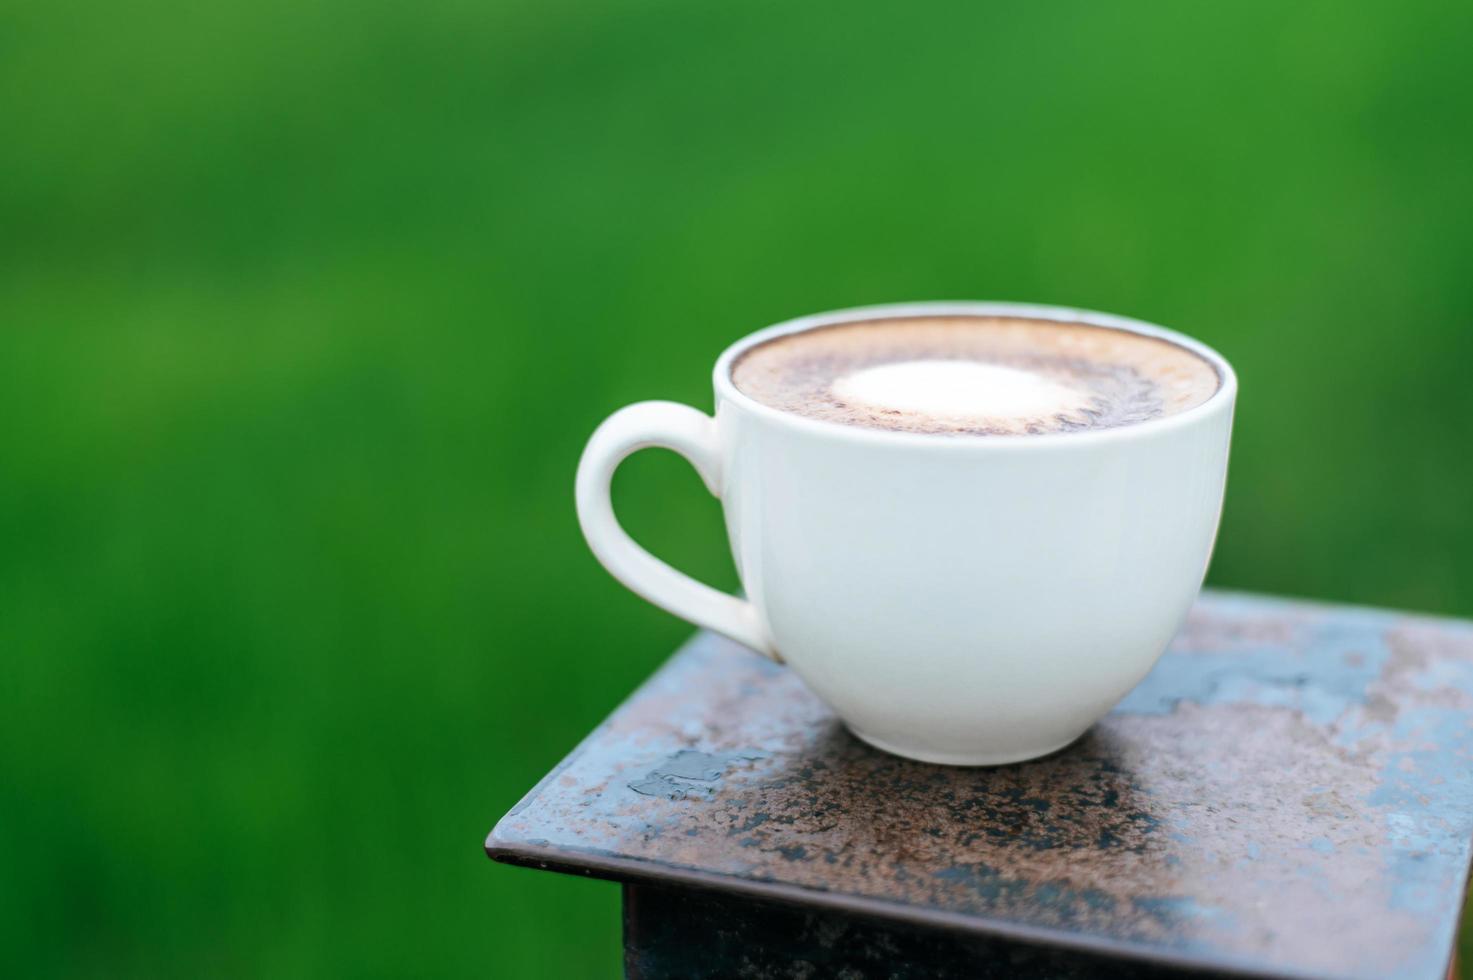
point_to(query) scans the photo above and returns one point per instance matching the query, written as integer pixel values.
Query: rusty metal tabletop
(1289, 793)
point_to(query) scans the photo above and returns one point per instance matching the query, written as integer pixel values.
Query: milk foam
(975, 375)
(959, 390)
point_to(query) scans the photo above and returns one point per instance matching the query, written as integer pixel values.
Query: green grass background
(309, 306)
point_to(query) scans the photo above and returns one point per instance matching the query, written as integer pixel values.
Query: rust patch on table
(1290, 792)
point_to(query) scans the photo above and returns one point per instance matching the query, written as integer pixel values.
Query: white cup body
(970, 600)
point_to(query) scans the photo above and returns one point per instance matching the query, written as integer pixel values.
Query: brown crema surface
(1124, 378)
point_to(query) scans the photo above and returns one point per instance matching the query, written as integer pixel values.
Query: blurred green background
(308, 308)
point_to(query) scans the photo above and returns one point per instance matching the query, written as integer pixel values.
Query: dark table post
(1288, 794)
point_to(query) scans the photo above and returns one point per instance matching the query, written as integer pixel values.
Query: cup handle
(693, 435)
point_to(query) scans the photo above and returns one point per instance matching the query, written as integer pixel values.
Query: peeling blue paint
(1316, 679)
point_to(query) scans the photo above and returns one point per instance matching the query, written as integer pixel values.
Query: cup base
(962, 758)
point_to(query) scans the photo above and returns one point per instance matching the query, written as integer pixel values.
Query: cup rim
(1220, 400)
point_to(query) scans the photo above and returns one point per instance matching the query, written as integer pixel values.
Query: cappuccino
(975, 375)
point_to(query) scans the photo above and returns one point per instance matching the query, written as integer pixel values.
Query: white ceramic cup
(955, 599)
